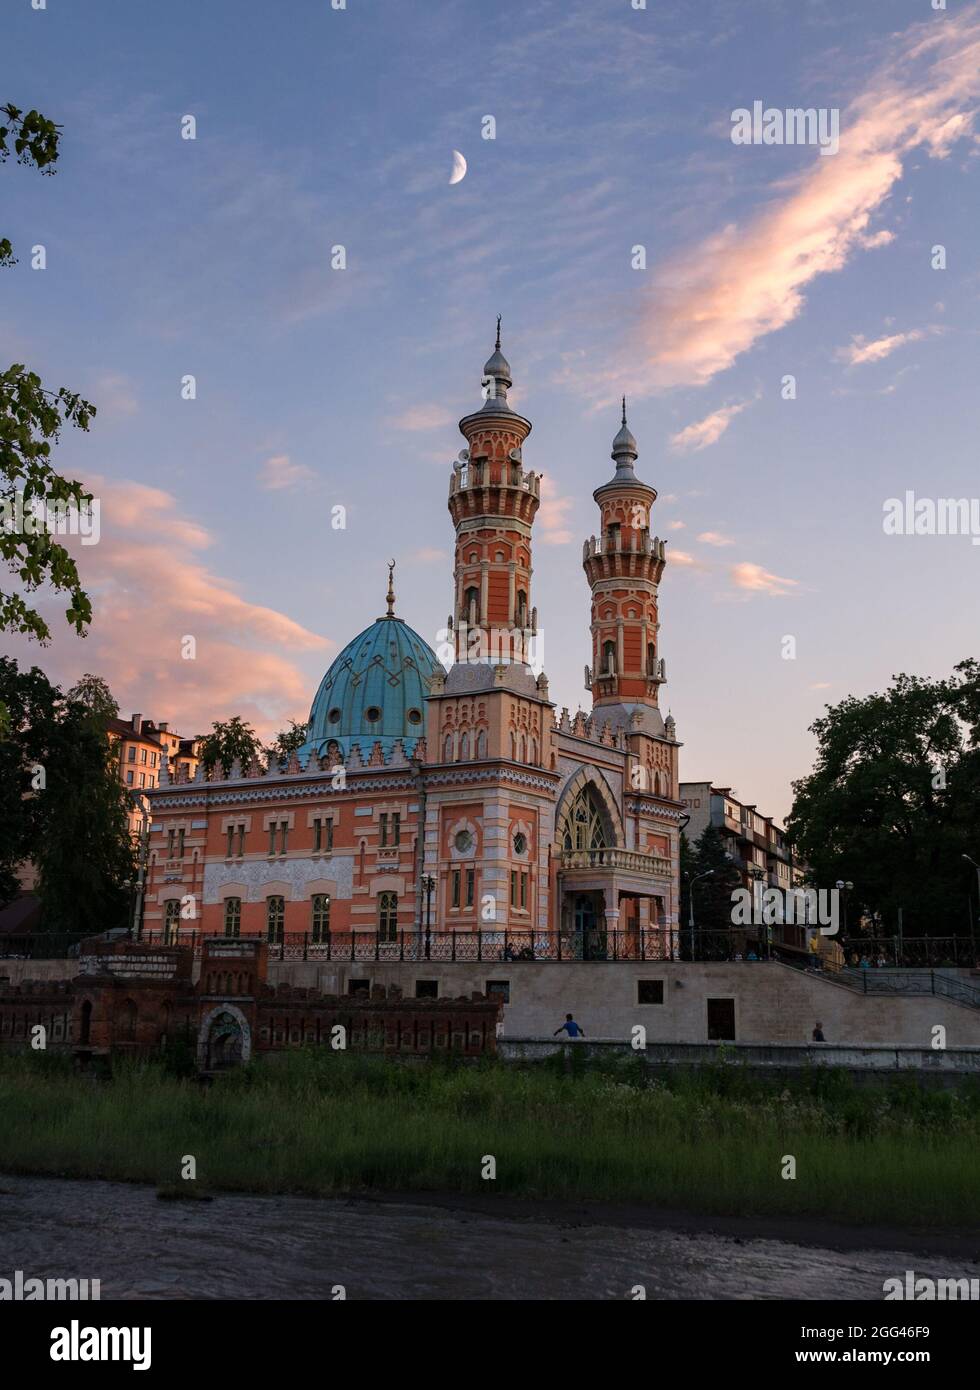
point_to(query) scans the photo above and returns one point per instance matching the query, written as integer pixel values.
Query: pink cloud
(718, 299)
(552, 519)
(859, 350)
(150, 591)
(754, 579)
(418, 418)
(280, 472)
(715, 538)
(707, 431)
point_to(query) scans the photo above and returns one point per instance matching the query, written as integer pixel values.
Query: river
(301, 1248)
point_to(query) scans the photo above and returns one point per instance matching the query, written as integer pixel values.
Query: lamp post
(843, 889)
(690, 904)
(428, 886)
(972, 919)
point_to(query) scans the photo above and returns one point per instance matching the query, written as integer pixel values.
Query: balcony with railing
(631, 860)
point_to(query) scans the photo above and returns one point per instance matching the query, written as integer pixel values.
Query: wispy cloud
(707, 431)
(419, 418)
(753, 579)
(280, 472)
(860, 350)
(715, 538)
(552, 519)
(152, 586)
(724, 294)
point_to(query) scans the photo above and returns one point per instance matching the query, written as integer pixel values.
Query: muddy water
(296, 1247)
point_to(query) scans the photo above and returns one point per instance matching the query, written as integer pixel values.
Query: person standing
(573, 1029)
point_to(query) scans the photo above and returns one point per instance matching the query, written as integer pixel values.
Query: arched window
(481, 744)
(584, 826)
(609, 658)
(471, 606)
(387, 916)
(521, 608)
(320, 918)
(651, 659)
(233, 916)
(447, 750)
(275, 917)
(533, 752)
(464, 748)
(523, 750)
(126, 1021)
(171, 921)
(513, 747)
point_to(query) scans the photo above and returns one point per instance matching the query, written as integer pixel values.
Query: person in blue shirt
(571, 1028)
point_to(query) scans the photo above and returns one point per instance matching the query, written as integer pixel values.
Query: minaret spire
(498, 333)
(391, 589)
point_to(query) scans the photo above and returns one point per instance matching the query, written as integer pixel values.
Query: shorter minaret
(623, 567)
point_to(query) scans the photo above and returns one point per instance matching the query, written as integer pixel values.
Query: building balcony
(633, 861)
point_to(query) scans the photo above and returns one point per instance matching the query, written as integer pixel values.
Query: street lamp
(843, 889)
(977, 867)
(428, 887)
(690, 904)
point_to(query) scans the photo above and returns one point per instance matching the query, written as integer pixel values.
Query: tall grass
(320, 1122)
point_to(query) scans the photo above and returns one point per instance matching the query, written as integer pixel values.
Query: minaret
(492, 502)
(623, 568)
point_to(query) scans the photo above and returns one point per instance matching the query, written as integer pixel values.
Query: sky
(320, 387)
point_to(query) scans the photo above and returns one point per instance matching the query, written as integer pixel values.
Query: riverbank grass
(715, 1140)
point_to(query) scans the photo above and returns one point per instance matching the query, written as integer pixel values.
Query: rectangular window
(283, 832)
(470, 886)
(649, 991)
(499, 989)
(231, 840)
(153, 760)
(275, 916)
(272, 838)
(171, 836)
(143, 752)
(241, 840)
(171, 921)
(396, 828)
(180, 844)
(358, 986)
(320, 920)
(513, 887)
(427, 989)
(523, 890)
(387, 916)
(316, 836)
(455, 887)
(233, 916)
(129, 779)
(383, 823)
(131, 756)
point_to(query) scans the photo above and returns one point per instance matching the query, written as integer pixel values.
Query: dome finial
(391, 589)
(624, 450)
(498, 332)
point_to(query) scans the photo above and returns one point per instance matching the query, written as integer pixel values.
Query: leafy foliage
(62, 805)
(229, 740)
(287, 741)
(893, 802)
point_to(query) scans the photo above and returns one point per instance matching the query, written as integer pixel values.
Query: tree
(228, 741)
(893, 802)
(94, 693)
(62, 806)
(287, 741)
(31, 419)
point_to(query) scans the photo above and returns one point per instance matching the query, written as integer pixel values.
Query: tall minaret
(623, 568)
(492, 502)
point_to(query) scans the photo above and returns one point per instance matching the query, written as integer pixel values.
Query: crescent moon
(459, 168)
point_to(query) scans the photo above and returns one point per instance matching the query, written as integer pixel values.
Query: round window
(333, 716)
(372, 714)
(463, 841)
(520, 843)
(415, 716)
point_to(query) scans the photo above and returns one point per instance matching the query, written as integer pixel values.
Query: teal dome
(374, 692)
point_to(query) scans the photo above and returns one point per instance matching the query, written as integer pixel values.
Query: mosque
(428, 808)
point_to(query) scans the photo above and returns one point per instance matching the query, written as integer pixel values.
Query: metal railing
(492, 947)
